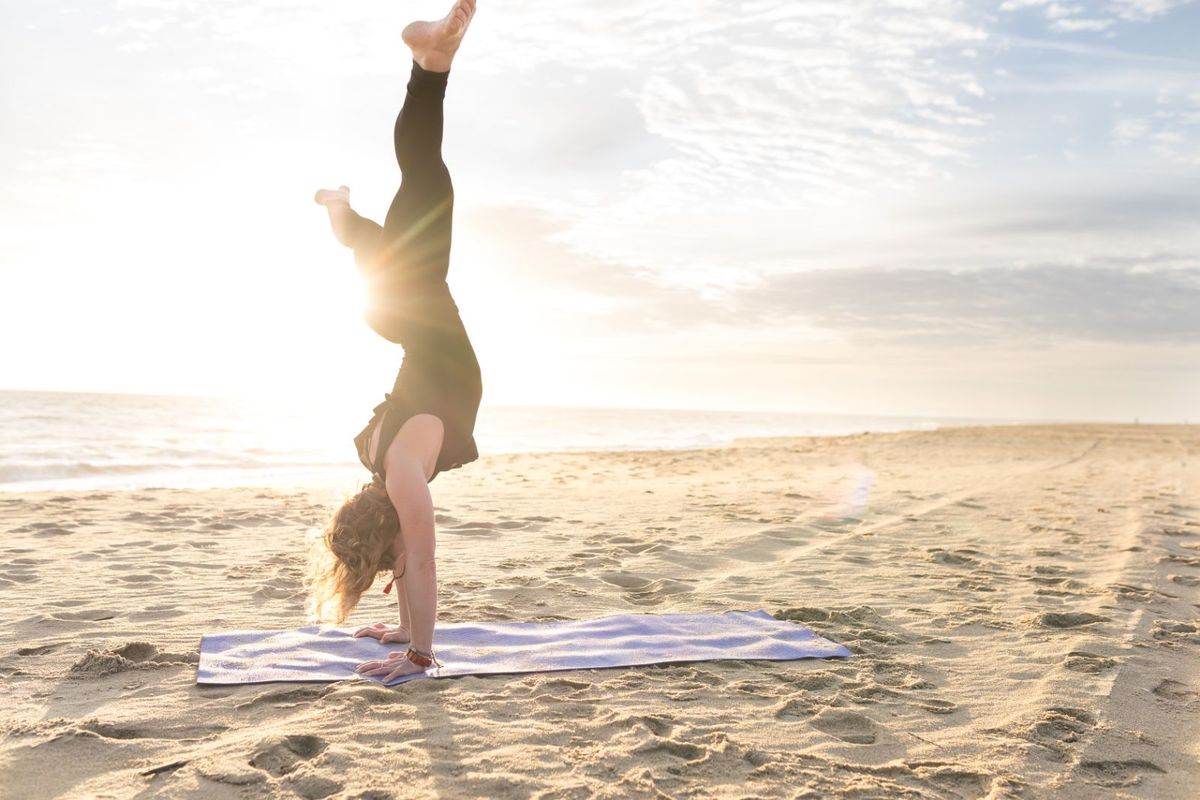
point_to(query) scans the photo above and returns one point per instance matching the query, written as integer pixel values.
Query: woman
(426, 424)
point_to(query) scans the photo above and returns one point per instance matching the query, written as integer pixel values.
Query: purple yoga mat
(498, 648)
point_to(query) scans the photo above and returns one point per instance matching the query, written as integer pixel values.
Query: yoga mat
(326, 653)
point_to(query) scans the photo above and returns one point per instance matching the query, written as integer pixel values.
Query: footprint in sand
(1171, 633)
(1137, 594)
(90, 615)
(977, 584)
(658, 591)
(658, 724)
(373, 694)
(37, 650)
(284, 591)
(957, 558)
(818, 681)
(1090, 663)
(685, 750)
(178, 733)
(645, 591)
(1061, 725)
(594, 559)
(934, 706)
(127, 657)
(1057, 729)
(848, 726)
(284, 698)
(796, 708)
(311, 786)
(280, 755)
(1075, 619)
(1174, 690)
(1116, 774)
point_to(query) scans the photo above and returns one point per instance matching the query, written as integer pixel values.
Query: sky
(912, 207)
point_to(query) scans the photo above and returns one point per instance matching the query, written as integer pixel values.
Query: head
(353, 548)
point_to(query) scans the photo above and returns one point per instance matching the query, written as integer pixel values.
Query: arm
(358, 232)
(407, 486)
(363, 236)
(401, 598)
(409, 491)
(350, 228)
(385, 633)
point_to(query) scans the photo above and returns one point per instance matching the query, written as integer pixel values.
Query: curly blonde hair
(350, 552)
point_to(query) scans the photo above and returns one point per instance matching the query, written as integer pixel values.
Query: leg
(418, 132)
(350, 228)
(418, 229)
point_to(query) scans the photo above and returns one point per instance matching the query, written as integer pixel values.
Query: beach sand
(1022, 603)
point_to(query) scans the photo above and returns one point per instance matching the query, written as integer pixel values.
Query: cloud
(1141, 10)
(1128, 304)
(1067, 17)
(577, 293)
(1170, 128)
(1146, 300)
(774, 101)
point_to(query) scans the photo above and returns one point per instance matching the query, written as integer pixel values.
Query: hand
(394, 634)
(393, 667)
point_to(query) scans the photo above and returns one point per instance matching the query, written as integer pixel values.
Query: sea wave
(132, 441)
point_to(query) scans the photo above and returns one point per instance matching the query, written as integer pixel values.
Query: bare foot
(434, 43)
(337, 203)
(326, 196)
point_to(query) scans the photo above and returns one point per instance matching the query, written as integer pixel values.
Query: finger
(367, 630)
(383, 669)
(367, 667)
(398, 672)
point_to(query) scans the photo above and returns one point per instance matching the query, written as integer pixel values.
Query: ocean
(52, 441)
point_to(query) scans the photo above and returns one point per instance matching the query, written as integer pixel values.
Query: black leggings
(405, 262)
(412, 248)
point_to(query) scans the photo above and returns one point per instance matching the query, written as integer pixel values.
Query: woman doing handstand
(426, 424)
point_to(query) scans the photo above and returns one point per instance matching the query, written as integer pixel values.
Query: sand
(1022, 603)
